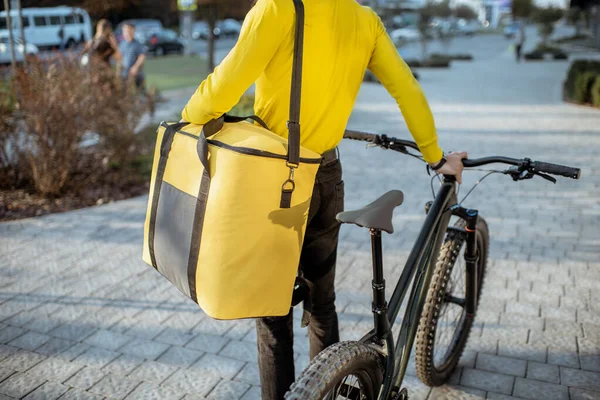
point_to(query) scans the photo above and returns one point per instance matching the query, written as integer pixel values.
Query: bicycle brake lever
(546, 177)
(399, 147)
(517, 174)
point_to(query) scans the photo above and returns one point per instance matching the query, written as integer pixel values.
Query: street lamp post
(17, 4)
(10, 37)
(187, 9)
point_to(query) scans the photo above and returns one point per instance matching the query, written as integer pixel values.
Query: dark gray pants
(275, 335)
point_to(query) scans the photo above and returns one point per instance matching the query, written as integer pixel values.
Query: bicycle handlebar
(555, 169)
(534, 167)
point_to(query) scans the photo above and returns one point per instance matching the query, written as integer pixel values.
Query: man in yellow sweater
(341, 40)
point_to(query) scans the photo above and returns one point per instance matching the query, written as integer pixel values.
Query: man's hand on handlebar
(454, 165)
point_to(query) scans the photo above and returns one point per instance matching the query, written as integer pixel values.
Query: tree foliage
(463, 11)
(426, 15)
(441, 9)
(522, 8)
(546, 18)
(214, 10)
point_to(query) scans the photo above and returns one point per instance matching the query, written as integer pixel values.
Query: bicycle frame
(418, 269)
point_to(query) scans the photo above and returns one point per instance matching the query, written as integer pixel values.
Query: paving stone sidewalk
(81, 316)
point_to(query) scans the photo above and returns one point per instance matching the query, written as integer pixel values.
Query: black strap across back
(377, 215)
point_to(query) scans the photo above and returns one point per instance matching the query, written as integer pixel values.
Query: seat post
(379, 305)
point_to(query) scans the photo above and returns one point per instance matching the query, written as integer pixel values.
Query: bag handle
(293, 124)
(233, 118)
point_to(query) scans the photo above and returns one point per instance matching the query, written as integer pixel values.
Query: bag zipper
(251, 152)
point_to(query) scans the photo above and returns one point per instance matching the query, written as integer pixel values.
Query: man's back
(341, 40)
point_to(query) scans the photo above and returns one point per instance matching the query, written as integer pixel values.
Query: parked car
(408, 34)
(163, 42)
(201, 29)
(42, 25)
(511, 30)
(229, 28)
(144, 28)
(20, 51)
(468, 28)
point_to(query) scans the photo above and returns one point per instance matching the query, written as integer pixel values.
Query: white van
(42, 25)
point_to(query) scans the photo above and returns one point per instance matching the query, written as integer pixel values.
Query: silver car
(201, 29)
(20, 50)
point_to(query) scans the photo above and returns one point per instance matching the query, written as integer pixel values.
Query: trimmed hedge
(583, 82)
(370, 77)
(534, 56)
(452, 57)
(541, 50)
(429, 63)
(595, 92)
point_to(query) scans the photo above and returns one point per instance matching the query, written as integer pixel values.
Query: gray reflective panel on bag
(174, 223)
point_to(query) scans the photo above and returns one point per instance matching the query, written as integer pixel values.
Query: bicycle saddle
(377, 215)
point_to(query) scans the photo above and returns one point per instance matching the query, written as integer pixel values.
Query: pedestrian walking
(61, 37)
(103, 47)
(342, 39)
(133, 57)
(519, 41)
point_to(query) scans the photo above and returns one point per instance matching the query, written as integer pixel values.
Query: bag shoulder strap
(293, 123)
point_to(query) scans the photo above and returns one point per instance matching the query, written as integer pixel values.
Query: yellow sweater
(342, 39)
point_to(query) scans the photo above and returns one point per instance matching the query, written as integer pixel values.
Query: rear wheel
(347, 370)
(444, 326)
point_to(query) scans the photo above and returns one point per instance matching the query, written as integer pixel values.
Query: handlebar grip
(556, 169)
(356, 135)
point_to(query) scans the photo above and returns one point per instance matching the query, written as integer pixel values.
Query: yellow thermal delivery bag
(228, 209)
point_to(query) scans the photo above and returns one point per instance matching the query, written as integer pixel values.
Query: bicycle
(374, 367)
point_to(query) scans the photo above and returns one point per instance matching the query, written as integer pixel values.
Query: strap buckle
(287, 189)
(289, 185)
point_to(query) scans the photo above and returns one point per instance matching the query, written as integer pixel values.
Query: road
(222, 47)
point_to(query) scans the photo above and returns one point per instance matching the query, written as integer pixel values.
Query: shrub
(595, 92)
(452, 57)
(561, 56)
(578, 67)
(534, 56)
(370, 77)
(556, 53)
(58, 104)
(429, 63)
(123, 106)
(8, 154)
(583, 86)
(544, 48)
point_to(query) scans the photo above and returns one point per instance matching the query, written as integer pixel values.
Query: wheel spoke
(349, 390)
(452, 310)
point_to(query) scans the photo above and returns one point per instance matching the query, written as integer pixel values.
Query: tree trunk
(423, 49)
(10, 37)
(20, 12)
(212, 24)
(446, 42)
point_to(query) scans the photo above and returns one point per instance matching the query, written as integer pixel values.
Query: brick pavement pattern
(81, 316)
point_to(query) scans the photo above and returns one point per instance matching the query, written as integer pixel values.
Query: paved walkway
(83, 318)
